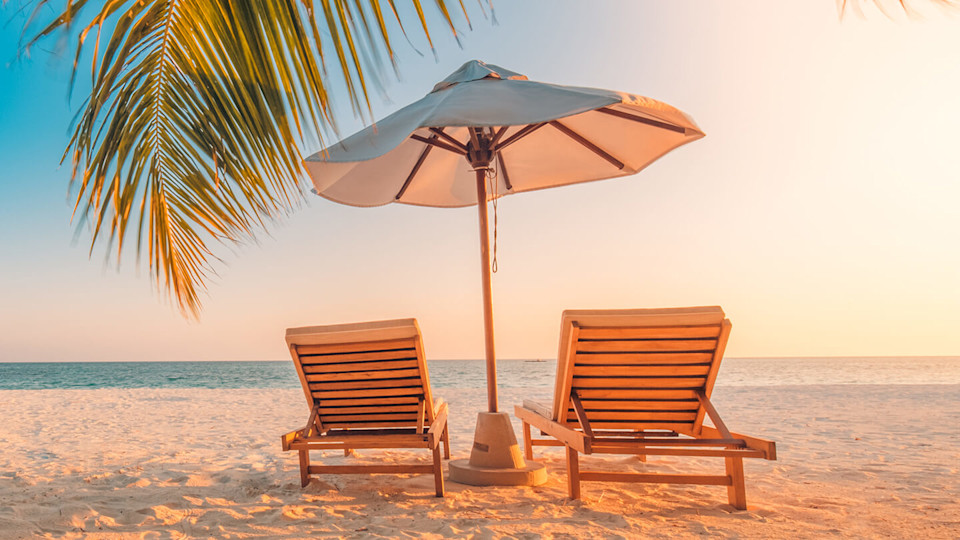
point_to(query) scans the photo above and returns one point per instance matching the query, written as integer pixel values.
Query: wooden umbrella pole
(487, 291)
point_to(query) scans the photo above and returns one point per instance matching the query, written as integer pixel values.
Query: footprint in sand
(267, 499)
(199, 480)
(252, 510)
(169, 516)
(296, 511)
(176, 480)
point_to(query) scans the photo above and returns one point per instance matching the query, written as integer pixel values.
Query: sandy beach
(855, 461)
(208, 207)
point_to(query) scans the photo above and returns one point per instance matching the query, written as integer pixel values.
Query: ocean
(467, 373)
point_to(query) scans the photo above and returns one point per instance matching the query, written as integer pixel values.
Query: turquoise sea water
(467, 373)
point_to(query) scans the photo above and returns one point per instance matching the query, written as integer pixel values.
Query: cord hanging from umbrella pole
(493, 182)
(494, 188)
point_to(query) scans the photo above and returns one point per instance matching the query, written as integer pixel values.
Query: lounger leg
(527, 442)
(437, 471)
(446, 442)
(304, 467)
(736, 492)
(641, 457)
(573, 473)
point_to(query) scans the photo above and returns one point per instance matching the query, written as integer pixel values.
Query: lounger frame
(638, 382)
(367, 386)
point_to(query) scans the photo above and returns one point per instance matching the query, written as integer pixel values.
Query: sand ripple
(855, 461)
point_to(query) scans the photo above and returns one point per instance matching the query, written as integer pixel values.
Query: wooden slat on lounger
(365, 393)
(404, 363)
(636, 393)
(373, 401)
(366, 418)
(679, 427)
(357, 347)
(637, 416)
(647, 345)
(320, 384)
(366, 425)
(384, 374)
(632, 359)
(369, 358)
(637, 382)
(688, 370)
(642, 405)
(661, 332)
(330, 407)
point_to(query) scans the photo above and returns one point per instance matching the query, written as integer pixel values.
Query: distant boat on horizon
(537, 360)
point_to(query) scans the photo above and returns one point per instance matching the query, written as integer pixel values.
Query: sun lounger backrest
(363, 375)
(639, 369)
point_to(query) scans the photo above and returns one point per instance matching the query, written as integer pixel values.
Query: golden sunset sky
(820, 211)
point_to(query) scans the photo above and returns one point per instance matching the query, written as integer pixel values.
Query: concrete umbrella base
(496, 459)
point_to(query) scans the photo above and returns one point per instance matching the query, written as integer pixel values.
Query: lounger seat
(639, 382)
(366, 386)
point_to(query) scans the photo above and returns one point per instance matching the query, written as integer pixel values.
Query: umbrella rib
(450, 139)
(497, 136)
(530, 128)
(434, 142)
(416, 168)
(586, 143)
(474, 137)
(503, 170)
(642, 120)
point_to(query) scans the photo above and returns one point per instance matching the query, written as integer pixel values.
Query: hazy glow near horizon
(819, 211)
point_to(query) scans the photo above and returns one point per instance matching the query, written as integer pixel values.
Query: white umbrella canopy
(437, 151)
(544, 135)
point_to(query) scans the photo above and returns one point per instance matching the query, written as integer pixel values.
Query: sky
(820, 211)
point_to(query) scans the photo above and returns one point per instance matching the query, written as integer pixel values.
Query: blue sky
(818, 211)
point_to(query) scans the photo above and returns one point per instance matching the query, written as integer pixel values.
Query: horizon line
(532, 360)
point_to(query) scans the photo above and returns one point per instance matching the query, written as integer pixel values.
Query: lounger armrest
(542, 409)
(287, 438)
(438, 425)
(437, 403)
(769, 448)
(572, 438)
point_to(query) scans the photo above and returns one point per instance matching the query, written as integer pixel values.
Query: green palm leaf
(190, 136)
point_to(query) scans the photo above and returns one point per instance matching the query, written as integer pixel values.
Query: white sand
(855, 461)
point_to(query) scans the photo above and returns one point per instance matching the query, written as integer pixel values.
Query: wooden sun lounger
(639, 382)
(366, 386)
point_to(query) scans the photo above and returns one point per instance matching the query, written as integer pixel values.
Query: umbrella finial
(475, 70)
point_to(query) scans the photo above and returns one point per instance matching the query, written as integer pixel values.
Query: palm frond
(889, 8)
(190, 135)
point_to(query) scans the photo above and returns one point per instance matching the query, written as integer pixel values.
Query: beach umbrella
(485, 132)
